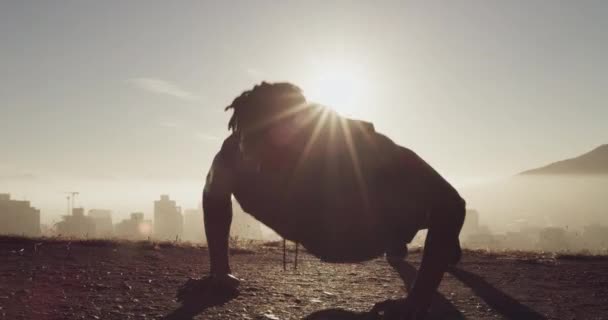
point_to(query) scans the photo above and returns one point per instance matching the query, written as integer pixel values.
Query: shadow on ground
(502, 303)
(341, 314)
(441, 308)
(196, 295)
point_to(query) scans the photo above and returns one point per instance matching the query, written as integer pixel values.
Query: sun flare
(341, 87)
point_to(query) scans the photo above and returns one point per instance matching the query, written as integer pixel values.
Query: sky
(97, 93)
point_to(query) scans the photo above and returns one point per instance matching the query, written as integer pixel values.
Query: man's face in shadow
(268, 140)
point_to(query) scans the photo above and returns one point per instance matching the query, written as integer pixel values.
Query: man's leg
(445, 222)
(444, 208)
(445, 211)
(441, 249)
(397, 249)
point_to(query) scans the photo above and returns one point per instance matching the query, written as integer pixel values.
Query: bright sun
(340, 87)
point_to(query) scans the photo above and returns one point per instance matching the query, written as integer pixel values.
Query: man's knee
(449, 214)
(460, 211)
(458, 216)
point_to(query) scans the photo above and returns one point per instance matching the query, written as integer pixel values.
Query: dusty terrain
(43, 279)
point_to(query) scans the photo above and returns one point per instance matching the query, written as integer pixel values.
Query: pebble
(269, 316)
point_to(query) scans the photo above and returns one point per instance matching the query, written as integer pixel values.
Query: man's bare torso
(341, 201)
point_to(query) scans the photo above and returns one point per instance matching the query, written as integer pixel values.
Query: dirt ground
(42, 279)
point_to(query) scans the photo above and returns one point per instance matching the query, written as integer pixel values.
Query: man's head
(263, 113)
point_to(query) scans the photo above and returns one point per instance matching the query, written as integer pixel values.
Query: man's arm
(217, 208)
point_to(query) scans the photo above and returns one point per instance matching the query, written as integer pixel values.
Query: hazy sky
(136, 89)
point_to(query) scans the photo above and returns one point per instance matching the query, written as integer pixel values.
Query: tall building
(18, 217)
(244, 226)
(168, 219)
(471, 223)
(194, 228)
(135, 228)
(103, 222)
(76, 225)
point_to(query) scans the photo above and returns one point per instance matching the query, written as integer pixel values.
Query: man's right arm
(217, 208)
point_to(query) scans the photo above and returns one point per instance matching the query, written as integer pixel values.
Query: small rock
(100, 286)
(126, 286)
(269, 316)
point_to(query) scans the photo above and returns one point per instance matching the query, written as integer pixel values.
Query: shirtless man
(334, 185)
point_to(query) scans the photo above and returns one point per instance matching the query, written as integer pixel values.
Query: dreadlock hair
(265, 99)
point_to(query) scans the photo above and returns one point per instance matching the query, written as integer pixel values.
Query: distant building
(553, 239)
(471, 224)
(244, 226)
(76, 225)
(595, 237)
(46, 230)
(485, 240)
(520, 240)
(103, 222)
(18, 217)
(134, 228)
(168, 219)
(194, 226)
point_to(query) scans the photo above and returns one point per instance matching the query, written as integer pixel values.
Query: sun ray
(281, 115)
(313, 136)
(355, 162)
(312, 139)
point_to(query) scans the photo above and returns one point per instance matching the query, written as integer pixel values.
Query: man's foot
(396, 253)
(225, 284)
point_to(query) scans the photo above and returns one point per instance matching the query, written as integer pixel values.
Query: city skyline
(303, 159)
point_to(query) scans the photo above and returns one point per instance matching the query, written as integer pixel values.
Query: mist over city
(545, 210)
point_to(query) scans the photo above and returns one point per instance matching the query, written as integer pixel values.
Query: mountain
(594, 162)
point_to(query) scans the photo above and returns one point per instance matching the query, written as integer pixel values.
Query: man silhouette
(334, 185)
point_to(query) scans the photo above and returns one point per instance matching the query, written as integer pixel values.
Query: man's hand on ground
(224, 281)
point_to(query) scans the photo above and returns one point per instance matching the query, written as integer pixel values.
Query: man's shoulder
(231, 142)
(230, 148)
(220, 178)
